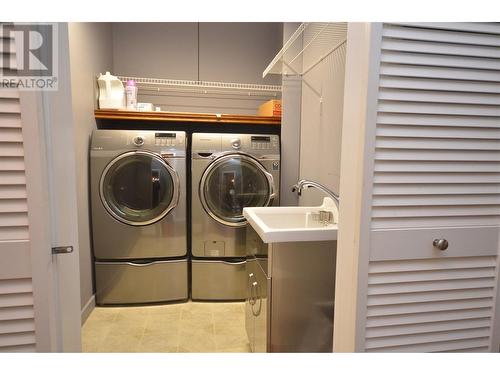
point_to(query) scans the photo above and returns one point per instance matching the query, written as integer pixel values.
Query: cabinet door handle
(257, 287)
(251, 301)
(253, 297)
(441, 244)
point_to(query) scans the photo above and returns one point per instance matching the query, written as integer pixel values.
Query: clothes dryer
(229, 172)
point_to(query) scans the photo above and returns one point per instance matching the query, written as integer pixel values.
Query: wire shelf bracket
(319, 39)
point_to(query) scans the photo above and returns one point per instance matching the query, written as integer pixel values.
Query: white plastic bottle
(131, 93)
(111, 92)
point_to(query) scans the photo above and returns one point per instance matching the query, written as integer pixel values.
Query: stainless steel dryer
(229, 172)
(138, 194)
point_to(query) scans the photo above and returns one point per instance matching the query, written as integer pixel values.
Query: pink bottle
(131, 93)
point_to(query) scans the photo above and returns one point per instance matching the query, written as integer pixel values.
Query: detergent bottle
(111, 92)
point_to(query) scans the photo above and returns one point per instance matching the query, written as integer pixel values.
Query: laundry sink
(292, 224)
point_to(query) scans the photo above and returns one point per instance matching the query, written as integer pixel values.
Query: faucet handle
(295, 188)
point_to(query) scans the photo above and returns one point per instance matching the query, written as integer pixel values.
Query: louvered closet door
(436, 175)
(17, 326)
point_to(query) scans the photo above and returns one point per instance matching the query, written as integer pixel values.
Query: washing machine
(138, 204)
(229, 172)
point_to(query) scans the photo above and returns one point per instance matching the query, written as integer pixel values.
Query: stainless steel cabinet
(249, 315)
(256, 308)
(259, 291)
(290, 295)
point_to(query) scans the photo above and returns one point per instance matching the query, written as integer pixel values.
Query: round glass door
(231, 183)
(139, 188)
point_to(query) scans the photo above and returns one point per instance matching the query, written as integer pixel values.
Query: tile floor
(194, 327)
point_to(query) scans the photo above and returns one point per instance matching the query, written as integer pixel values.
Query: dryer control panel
(258, 144)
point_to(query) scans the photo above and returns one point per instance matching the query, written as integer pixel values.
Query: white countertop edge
(269, 235)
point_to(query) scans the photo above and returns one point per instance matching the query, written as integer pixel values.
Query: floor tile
(196, 316)
(197, 308)
(91, 343)
(227, 307)
(159, 343)
(165, 309)
(194, 327)
(102, 314)
(237, 349)
(120, 344)
(163, 324)
(96, 328)
(230, 337)
(196, 342)
(232, 319)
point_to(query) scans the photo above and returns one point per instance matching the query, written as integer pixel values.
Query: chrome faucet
(303, 184)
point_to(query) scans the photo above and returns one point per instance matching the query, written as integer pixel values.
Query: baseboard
(87, 309)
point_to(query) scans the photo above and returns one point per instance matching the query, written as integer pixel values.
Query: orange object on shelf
(270, 108)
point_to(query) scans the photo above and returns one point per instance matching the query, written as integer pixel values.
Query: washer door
(139, 188)
(232, 182)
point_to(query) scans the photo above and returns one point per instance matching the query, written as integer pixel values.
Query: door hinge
(62, 250)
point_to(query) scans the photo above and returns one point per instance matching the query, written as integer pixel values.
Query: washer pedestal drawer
(218, 280)
(129, 282)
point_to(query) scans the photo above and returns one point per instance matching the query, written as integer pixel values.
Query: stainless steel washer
(229, 172)
(138, 201)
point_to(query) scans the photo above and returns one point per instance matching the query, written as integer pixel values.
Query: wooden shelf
(104, 114)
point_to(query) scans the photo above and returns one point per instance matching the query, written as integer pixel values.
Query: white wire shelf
(309, 45)
(160, 85)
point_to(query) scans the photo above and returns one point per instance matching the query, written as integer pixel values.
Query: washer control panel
(165, 139)
(149, 140)
(263, 142)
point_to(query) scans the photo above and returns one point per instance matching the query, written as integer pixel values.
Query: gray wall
(223, 52)
(290, 125)
(156, 50)
(90, 47)
(239, 52)
(321, 129)
(311, 130)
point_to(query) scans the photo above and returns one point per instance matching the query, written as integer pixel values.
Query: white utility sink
(291, 224)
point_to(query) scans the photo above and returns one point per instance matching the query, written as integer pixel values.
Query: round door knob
(440, 244)
(138, 141)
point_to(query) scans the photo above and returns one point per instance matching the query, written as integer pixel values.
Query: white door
(39, 292)
(432, 172)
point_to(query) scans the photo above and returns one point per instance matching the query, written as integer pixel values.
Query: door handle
(441, 244)
(257, 287)
(236, 264)
(62, 250)
(155, 180)
(250, 289)
(253, 298)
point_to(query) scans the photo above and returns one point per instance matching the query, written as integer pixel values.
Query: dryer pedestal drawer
(128, 282)
(218, 280)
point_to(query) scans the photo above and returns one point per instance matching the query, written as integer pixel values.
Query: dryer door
(232, 182)
(139, 188)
